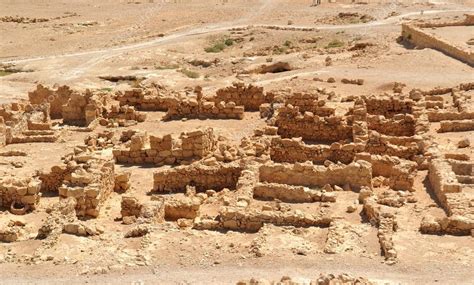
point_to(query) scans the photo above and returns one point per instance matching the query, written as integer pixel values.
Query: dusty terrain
(217, 142)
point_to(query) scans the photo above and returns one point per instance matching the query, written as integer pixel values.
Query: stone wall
(26, 123)
(398, 125)
(440, 115)
(309, 102)
(388, 107)
(291, 194)
(191, 108)
(3, 132)
(151, 212)
(400, 173)
(55, 97)
(294, 150)
(356, 174)
(166, 150)
(291, 123)
(90, 184)
(251, 220)
(456, 126)
(201, 176)
(424, 39)
(23, 191)
(250, 96)
(144, 99)
(452, 197)
(404, 147)
(81, 109)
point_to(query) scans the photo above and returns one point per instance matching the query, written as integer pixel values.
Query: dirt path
(218, 27)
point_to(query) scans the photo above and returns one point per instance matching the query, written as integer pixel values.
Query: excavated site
(236, 142)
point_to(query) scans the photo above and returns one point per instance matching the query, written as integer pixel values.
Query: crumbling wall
(356, 174)
(25, 123)
(310, 102)
(201, 176)
(55, 97)
(3, 132)
(291, 123)
(291, 194)
(400, 173)
(404, 147)
(249, 96)
(200, 109)
(251, 220)
(81, 109)
(123, 114)
(150, 212)
(389, 106)
(91, 183)
(144, 99)
(22, 191)
(294, 150)
(440, 115)
(456, 126)
(450, 193)
(165, 150)
(398, 125)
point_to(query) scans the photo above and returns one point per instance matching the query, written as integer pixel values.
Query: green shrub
(335, 44)
(189, 73)
(218, 47)
(229, 42)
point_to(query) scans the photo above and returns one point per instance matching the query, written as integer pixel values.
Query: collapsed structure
(308, 153)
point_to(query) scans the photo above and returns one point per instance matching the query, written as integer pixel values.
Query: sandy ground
(82, 40)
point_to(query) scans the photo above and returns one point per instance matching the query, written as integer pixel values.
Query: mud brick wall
(356, 174)
(19, 190)
(165, 150)
(291, 123)
(55, 97)
(398, 125)
(251, 97)
(144, 100)
(388, 107)
(294, 150)
(200, 176)
(199, 109)
(456, 126)
(309, 102)
(401, 173)
(90, 186)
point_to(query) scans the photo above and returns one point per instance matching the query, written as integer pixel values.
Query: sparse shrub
(229, 42)
(189, 73)
(218, 47)
(335, 44)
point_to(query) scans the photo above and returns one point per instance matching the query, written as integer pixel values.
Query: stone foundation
(145, 149)
(356, 174)
(198, 175)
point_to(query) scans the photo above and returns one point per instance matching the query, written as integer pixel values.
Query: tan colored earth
(177, 45)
